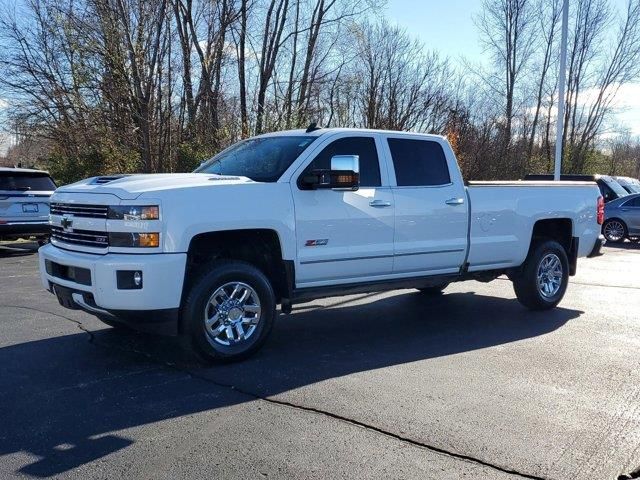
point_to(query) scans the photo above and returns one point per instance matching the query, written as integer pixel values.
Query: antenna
(313, 126)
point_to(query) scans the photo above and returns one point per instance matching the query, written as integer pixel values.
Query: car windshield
(615, 186)
(263, 159)
(26, 181)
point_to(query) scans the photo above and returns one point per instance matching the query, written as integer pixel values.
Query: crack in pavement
(317, 411)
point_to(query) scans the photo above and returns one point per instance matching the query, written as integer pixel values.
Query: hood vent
(223, 178)
(106, 179)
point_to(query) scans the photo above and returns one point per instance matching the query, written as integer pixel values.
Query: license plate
(30, 207)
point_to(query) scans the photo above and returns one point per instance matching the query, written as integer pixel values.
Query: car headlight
(134, 212)
(126, 239)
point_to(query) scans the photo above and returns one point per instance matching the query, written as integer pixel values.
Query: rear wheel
(229, 311)
(614, 230)
(544, 277)
(435, 290)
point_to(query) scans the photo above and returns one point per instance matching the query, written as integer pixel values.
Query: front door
(344, 236)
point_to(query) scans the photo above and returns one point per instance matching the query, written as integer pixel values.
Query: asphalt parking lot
(394, 385)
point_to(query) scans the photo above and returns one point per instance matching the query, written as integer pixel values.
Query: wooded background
(103, 86)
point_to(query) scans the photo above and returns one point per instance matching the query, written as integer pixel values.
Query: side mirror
(343, 175)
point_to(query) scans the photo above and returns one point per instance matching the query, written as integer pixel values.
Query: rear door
(430, 206)
(344, 236)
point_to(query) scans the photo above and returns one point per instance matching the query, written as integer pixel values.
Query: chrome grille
(85, 238)
(87, 211)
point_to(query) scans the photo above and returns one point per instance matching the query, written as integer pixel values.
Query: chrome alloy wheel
(549, 275)
(614, 231)
(232, 314)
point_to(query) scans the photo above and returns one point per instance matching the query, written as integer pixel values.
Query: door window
(364, 147)
(634, 202)
(418, 162)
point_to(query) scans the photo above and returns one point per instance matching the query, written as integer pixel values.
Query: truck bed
(503, 213)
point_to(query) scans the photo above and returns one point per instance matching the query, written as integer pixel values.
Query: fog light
(129, 279)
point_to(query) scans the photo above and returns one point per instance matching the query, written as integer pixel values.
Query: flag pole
(561, 87)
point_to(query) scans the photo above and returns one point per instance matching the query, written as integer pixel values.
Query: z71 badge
(316, 243)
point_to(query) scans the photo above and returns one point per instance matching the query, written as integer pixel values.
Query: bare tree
(506, 28)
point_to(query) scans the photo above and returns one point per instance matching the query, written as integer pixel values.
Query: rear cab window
(418, 163)
(26, 181)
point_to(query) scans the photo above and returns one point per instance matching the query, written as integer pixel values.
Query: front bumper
(93, 285)
(15, 229)
(597, 247)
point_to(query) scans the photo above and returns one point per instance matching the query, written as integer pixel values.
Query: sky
(448, 27)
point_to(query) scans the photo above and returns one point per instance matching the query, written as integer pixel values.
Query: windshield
(26, 181)
(263, 159)
(615, 186)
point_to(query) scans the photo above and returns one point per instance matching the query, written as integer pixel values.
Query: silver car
(622, 219)
(24, 203)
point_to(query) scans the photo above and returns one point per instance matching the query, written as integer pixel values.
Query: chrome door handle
(379, 203)
(455, 201)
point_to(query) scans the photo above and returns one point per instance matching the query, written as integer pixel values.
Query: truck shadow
(65, 399)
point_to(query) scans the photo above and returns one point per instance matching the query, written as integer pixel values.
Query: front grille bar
(87, 211)
(85, 238)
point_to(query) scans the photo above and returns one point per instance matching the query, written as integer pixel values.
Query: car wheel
(614, 230)
(229, 311)
(435, 290)
(544, 277)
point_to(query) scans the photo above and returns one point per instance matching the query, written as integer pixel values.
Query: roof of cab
(22, 170)
(325, 131)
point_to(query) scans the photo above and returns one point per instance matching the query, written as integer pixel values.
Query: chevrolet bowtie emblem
(66, 223)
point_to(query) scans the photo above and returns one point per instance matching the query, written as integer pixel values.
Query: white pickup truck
(292, 216)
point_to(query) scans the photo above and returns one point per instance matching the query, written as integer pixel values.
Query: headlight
(125, 239)
(134, 212)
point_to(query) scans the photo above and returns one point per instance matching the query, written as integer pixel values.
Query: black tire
(212, 278)
(625, 232)
(435, 290)
(526, 285)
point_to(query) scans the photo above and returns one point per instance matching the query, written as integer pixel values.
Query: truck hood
(130, 187)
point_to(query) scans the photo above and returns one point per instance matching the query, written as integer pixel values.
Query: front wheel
(229, 311)
(544, 277)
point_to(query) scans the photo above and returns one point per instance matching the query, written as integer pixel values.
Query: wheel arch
(260, 247)
(620, 219)
(560, 230)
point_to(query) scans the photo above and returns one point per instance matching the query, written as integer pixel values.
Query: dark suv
(609, 188)
(24, 203)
